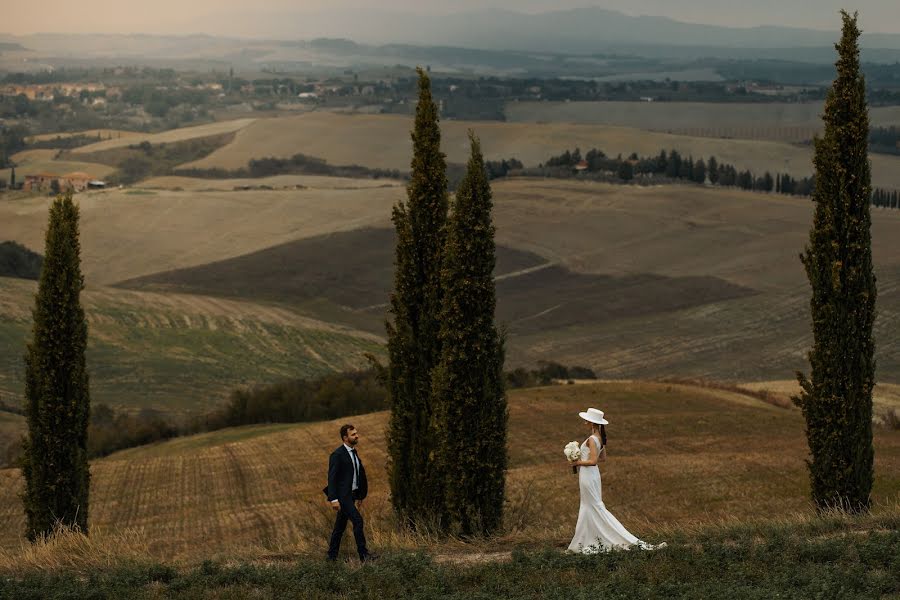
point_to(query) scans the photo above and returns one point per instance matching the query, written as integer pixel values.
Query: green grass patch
(146, 357)
(828, 558)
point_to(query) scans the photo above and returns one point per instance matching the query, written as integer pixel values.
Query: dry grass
(103, 133)
(745, 239)
(183, 352)
(779, 122)
(173, 135)
(383, 141)
(276, 182)
(129, 233)
(681, 458)
(37, 162)
(885, 396)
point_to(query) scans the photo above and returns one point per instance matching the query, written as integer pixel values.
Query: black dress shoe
(369, 558)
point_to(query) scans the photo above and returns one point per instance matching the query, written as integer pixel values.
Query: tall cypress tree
(837, 399)
(413, 343)
(57, 400)
(469, 390)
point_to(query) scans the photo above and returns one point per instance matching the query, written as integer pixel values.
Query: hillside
(780, 122)
(133, 232)
(680, 457)
(618, 282)
(382, 141)
(182, 352)
(633, 282)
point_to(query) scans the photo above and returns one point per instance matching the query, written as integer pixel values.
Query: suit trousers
(348, 512)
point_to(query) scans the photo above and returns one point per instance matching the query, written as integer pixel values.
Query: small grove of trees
(18, 261)
(299, 164)
(57, 397)
(885, 140)
(12, 140)
(673, 165)
(547, 373)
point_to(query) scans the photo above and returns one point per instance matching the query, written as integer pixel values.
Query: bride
(597, 529)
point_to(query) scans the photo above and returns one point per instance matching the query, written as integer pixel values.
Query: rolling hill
(182, 353)
(679, 457)
(780, 122)
(382, 141)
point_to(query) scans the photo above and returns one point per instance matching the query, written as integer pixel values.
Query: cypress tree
(57, 399)
(713, 169)
(12, 178)
(468, 384)
(837, 399)
(413, 343)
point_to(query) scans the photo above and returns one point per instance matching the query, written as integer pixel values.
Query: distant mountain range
(580, 30)
(575, 31)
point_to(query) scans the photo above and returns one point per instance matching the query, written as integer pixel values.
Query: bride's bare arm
(593, 457)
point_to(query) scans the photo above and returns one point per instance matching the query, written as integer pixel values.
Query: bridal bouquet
(573, 453)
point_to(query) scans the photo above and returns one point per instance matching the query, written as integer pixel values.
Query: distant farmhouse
(76, 181)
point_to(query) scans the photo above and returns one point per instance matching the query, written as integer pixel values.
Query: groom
(347, 488)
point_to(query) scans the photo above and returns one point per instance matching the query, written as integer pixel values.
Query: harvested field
(38, 163)
(134, 232)
(679, 457)
(355, 270)
(885, 396)
(633, 282)
(103, 133)
(174, 135)
(194, 184)
(382, 141)
(778, 122)
(182, 353)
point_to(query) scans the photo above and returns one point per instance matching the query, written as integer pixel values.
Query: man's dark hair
(345, 429)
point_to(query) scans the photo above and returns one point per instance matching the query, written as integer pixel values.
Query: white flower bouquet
(573, 453)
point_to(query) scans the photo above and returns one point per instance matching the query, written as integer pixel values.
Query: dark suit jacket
(340, 477)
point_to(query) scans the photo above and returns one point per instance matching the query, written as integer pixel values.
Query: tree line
(673, 166)
(300, 400)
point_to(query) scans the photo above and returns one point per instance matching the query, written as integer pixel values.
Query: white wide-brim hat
(594, 416)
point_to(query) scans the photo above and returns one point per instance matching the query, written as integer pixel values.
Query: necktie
(355, 466)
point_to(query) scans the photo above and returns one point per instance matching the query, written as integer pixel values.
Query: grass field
(632, 282)
(680, 457)
(779, 122)
(174, 135)
(180, 352)
(129, 233)
(103, 133)
(192, 184)
(617, 282)
(41, 161)
(383, 141)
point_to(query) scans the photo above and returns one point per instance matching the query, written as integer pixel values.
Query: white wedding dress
(597, 529)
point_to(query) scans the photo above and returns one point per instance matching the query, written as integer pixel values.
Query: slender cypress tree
(57, 400)
(12, 178)
(837, 399)
(413, 343)
(469, 390)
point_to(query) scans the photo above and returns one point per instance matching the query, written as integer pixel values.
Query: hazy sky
(215, 16)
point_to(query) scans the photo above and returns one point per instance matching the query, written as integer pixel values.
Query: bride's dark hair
(602, 435)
